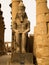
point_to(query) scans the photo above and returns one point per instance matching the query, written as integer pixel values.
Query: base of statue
(22, 58)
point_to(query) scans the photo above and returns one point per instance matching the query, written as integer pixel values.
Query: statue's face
(21, 13)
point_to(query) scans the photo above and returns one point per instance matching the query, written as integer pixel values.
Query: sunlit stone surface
(20, 29)
(41, 33)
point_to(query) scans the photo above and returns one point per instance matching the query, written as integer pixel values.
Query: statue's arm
(15, 30)
(28, 28)
(14, 27)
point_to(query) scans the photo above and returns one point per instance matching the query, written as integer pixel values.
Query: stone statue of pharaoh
(21, 27)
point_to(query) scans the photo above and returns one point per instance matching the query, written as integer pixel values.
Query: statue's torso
(21, 27)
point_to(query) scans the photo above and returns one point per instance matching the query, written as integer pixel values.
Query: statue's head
(21, 14)
(21, 11)
(21, 8)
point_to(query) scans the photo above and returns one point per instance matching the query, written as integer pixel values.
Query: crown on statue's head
(21, 5)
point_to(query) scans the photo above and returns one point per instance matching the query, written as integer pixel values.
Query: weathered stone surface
(42, 52)
(42, 18)
(41, 29)
(40, 1)
(21, 27)
(43, 61)
(41, 37)
(41, 8)
(23, 58)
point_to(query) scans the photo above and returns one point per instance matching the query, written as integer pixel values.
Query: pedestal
(22, 58)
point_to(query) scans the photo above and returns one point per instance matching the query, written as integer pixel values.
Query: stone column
(2, 46)
(42, 33)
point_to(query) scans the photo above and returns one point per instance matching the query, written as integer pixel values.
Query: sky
(31, 13)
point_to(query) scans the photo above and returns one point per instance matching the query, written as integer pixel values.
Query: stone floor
(20, 64)
(5, 60)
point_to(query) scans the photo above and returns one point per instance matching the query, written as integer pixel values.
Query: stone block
(41, 8)
(40, 1)
(43, 61)
(42, 52)
(22, 58)
(42, 18)
(40, 29)
(41, 39)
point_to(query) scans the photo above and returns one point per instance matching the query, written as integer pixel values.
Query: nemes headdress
(21, 5)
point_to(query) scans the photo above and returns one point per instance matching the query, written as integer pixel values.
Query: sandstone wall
(41, 33)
